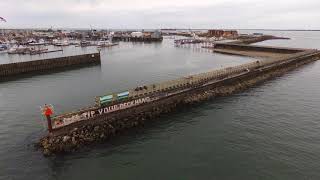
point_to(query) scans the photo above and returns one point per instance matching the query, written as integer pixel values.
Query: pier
(18, 68)
(115, 112)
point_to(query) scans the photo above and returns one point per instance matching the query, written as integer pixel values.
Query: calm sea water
(271, 131)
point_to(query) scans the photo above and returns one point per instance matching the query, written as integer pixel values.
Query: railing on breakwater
(153, 92)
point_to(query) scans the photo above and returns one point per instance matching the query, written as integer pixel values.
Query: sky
(156, 14)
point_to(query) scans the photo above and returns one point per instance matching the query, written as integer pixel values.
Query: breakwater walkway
(18, 68)
(115, 112)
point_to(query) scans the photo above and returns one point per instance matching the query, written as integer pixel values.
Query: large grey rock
(96, 128)
(66, 138)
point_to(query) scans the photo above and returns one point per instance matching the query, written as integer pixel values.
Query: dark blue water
(270, 131)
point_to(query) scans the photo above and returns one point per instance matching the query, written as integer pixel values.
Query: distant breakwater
(251, 40)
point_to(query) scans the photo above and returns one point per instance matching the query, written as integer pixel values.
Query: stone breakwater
(105, 127)
(43, 65)
(253, 39)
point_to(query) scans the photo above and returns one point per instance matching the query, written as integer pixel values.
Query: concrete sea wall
(103, 127)
(18, 68)
(270, 49)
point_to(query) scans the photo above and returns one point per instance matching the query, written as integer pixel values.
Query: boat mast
(2, 20)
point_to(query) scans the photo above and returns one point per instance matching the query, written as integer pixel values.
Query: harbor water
(270, 131)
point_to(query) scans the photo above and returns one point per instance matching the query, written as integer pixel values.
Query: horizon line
(81, 28)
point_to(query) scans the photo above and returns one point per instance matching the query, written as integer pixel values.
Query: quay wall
(17, 68)
(271, 49)
(100, 128)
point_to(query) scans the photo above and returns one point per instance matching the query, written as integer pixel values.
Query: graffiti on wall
(91, 114)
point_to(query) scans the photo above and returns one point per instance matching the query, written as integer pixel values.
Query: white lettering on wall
(90, 114)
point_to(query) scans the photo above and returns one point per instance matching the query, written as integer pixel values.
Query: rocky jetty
(89, 134)
(84, 135)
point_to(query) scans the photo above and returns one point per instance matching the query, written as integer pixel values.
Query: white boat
(13, 42)
(61, 43)
(55, 41)
(84, 43)
(137, 34)
(31, 41)
(40, 42)
(105, 43)
(18, 50)
(75, 42)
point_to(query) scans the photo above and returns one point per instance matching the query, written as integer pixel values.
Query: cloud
(294, 14)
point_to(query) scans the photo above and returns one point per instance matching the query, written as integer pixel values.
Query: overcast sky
(269, 14)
